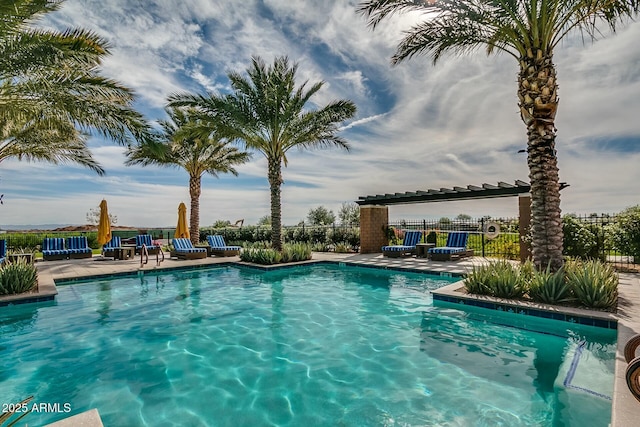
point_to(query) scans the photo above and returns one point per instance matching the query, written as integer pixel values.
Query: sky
(418, 126)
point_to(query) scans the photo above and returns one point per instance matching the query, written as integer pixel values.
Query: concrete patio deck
(625, 408)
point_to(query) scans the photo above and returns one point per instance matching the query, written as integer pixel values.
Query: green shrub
(477, 281)
(550, 288)
(18, 277)
(624, 233)
(582, 240)
(321, 247)
(291, 252)
(499, 279)
(594, 283)
(261, 256)
(343, 248)
(432, 237)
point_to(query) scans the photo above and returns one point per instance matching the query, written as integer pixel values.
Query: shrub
(625, 232)
(261, 256)
(500, 279)
(18, 277)
(291, 252)
(296, 252)
(581, 240)
(432, 237)
(594, 283)
(550, 288)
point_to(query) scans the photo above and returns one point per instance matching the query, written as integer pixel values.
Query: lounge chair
(456, 248)
(3, 251)
(220, 248)
(145, 239)
(408, 246)
(53, 249)
(78, 247)
(108, 250)
(184, 249)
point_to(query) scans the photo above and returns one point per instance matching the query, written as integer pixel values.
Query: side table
(422, 249)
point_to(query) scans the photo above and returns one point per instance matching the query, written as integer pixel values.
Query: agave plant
(550, 287)
(18, 277)
(499, 279)
(594, 283)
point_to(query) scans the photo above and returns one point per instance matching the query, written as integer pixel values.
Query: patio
(625, 409)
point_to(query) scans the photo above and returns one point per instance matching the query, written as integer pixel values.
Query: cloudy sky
(418, 126)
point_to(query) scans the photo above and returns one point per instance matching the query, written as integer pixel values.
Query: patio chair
(220, 248)
(408, 246)
(3, 251)
(455, 248)
(53, 249)
(184, 249)
(108, 250)
(145, 239)
(78, 247)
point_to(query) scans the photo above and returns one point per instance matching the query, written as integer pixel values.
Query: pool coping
(625, 409)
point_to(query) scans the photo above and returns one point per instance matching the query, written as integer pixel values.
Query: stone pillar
(373, 221)
(524, 210)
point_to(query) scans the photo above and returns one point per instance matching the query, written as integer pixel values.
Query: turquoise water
(316, 346)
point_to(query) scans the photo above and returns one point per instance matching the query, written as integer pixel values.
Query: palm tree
(268, 114)
(529, 31)
(51, 94)
(185, 143)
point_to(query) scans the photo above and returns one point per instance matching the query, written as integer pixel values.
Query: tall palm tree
(185, 143)
(51, 93)
(268, 114)
(529, 31)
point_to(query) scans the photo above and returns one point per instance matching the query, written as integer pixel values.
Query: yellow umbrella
(104, 227)
(182, 230)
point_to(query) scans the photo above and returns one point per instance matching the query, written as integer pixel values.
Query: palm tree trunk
(537, 92)
(275, 181)
(195, 189)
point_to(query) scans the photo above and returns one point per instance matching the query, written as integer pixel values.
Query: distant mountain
(33, 226)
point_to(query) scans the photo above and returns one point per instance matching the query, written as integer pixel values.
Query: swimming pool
(320, 345)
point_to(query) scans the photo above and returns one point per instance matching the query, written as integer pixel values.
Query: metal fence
(488, 237)
(605, 237)
(610, 238)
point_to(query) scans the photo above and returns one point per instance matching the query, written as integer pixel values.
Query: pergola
(374, 213)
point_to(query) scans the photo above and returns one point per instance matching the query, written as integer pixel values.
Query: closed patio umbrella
(182, 229)
(104, 227)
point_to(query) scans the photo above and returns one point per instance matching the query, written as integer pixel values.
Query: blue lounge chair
(3, 251)
(145, 239)
(184, 249)
(408, 246)
(53, 249)
(78, 247)
(219, 248)
(108, 249)
(456, 248)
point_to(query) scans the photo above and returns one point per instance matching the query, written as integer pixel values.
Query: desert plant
(594, 283)
(18, 277)
(499, 279)
(550, 287)
(343, 248)
(296, 252)
(261, 256)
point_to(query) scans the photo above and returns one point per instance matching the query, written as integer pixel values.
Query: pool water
(307, 346)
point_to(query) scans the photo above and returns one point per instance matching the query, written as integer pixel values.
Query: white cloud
(419, 126)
